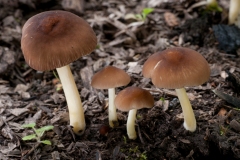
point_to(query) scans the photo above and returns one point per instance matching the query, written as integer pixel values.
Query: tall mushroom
(54, 39)
(131, 99)
(176, 68)
(109, 78)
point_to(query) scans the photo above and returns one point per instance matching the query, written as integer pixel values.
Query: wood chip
(185, 141)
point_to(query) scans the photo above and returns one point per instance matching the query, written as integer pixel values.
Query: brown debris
(171, 19)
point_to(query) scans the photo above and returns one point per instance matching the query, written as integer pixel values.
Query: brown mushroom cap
(133, 98)
(53, 39)
(110, 77)
(176, 68)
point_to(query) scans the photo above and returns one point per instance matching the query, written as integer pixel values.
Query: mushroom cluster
(53, 39)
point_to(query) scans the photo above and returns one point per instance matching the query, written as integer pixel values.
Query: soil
(28, 96)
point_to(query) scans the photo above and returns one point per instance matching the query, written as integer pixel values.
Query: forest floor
(28, 96)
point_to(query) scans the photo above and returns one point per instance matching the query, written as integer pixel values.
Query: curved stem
(189, 117)
(76, 112)
(131, 124)
(112, 113)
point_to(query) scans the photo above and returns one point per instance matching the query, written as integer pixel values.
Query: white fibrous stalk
(76, 112)
(189, 117)
(112, 112)
(131, 124)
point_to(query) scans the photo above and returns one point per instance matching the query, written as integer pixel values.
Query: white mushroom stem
(233, 11)
(131, 124)
(189, 117)
(76, 112)
(112, 113)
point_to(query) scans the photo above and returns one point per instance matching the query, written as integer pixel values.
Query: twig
(140, 135)
(30, 151)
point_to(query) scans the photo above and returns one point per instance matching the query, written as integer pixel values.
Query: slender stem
(189, 117)
(233, 11)
(131, 124)
(112, 113)
(55, 75)
(76, 112)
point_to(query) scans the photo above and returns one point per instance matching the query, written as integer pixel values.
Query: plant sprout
(143, 15)
(38, 133)
(212, 5)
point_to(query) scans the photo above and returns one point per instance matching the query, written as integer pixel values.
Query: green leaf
(29, 137)
(46, 142)
(139, 17)
(45, 128)
(147, 11)
(162, 99)
(40, 131)
(214, 7)
(30, 125)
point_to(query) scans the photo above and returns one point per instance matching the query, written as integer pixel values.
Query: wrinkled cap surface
(133, 98)
(176, 68)
(53, 39)
(110, 77)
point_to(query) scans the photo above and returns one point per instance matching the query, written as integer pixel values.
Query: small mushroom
(54, 39)
(109, 78)
(176, 68)
(131, 99)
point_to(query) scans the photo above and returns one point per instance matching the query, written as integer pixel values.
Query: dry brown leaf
(171, 19)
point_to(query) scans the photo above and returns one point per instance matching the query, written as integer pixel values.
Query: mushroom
(131, 99)
(54, 39)
(109, 78)
(176, 68)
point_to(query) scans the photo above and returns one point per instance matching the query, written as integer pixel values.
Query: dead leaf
(34, 119)
(230, 99)
(25, 95)
(6, 132)
(21, 88)
(10, 147)
(17, 111)
(224, 74)
(134, 68)
(5, 101)
(57, 98)
(3, 89)
(171, 19)
(73, 5)
(215, 70)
